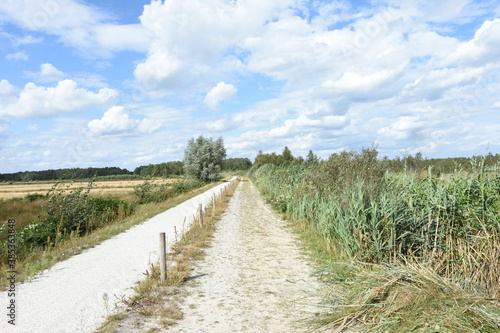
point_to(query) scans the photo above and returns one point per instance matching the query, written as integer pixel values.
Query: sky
(128, 83)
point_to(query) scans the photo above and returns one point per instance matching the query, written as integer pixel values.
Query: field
(109, 188)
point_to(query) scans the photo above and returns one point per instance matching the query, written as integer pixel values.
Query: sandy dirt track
(255, 277)
(77, 294)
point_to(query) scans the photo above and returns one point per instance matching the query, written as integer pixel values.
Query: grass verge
(41, 259)
(156, 305)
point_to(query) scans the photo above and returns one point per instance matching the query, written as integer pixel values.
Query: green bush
(34, 197)
(151, 192)
(71, 213)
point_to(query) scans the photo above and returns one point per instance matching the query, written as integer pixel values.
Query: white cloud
(6, 88)
(222, 92)
(49, 73)
(66, 97)
(220, 125)
(16, 41)
(432, 11)
(117, 121)
(401, 128)
(354, 82)
(423, 43)
(196, 41)
(122, 37)
(433, 85)
(483, 49)
(148, 125)
(77, 24)
(20, 55)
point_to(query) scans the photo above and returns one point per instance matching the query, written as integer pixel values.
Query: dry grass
(22, 210)
(404, 298)
(159, 302)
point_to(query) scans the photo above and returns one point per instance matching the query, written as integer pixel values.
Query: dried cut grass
(404, 298)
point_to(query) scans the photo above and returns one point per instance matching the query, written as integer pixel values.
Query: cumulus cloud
(222, 92)
(482, 49)
(116, 120)
(401, 128)
(6, 88)
(47, 73)
(66, 97)
(196, 41)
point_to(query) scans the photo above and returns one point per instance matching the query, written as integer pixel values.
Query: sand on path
(255, 277)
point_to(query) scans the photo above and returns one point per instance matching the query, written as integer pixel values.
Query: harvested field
(102, 187)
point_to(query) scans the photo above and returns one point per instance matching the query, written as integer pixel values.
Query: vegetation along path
(77, 294)
(255, 277)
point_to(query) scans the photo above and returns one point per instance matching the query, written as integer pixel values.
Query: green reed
(451, 222)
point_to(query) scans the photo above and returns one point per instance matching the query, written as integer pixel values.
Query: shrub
(34, 197)
(71, 213)
(151, 192)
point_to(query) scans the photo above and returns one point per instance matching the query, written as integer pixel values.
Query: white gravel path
(70, 297)
(255, 277)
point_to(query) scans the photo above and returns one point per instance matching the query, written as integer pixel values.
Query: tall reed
(451, 222)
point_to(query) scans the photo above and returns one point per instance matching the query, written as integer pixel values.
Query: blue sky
(128, 83)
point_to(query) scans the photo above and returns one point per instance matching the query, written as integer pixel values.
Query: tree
(203, 158)
(237, 164)
(312, 158)
(287, 155)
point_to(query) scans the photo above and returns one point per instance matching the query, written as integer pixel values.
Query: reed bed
(450, 223)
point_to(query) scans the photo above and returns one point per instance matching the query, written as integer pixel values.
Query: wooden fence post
(163, 257)
(213, 204)
(200, 214)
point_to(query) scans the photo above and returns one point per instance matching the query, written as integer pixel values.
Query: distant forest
(416, 163)
(168, 169)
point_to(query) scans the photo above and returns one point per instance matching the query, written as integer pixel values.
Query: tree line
(369, 158)
(74, 173)
(164, 170)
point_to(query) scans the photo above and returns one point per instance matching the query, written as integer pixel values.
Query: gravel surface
(255, 277)
(77, 294)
